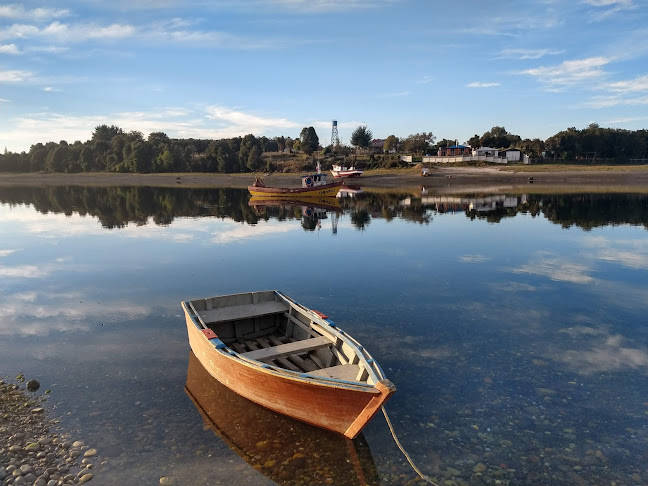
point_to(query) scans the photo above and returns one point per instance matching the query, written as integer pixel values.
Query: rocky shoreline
(32, 451)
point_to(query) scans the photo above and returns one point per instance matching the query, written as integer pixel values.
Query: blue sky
(270, 67)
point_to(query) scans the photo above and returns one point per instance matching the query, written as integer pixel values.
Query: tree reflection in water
(116, 207)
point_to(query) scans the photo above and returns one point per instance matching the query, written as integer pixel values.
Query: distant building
(378, 145)
(486, 151)
(455, 150)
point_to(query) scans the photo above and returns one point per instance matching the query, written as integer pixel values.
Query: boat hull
(326, 190)
(336, 405)
(346, 174)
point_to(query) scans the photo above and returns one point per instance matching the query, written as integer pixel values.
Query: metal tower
(335, 140)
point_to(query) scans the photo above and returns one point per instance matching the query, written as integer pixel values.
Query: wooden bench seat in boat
(347, 372)
(247, 311)
(296, 347)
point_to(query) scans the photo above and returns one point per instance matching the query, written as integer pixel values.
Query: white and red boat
(339, 171)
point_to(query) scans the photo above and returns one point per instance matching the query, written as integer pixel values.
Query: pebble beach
(32, 451)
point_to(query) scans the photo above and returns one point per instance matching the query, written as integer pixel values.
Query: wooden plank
(237, 312)
(238, 347)
(316, 360)
(278, 341)
(303, 364)
(287, 364)
(289, 348)
(264, 342)
(299, 323)
(346, 372)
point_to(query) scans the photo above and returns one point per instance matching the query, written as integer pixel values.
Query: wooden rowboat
(285, 450)
(274, 351)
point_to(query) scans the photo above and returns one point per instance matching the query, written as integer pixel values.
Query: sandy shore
(440, 180)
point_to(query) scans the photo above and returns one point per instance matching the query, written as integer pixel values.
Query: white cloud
(478, 84)
(318, 6)
(69, 33)
(15, 76)
(637, 84)
(627, 253)
(527, 53)
(214, 122)
(615, 100)
(599, 351)
(25, 271)
(608, 8)
(474, 258)
(4, 253)
(9, 49)
(558, 269)
(570, 73)
(426, 80)
(241, 122)
(38, 14)
(50, 89)
(244, 232)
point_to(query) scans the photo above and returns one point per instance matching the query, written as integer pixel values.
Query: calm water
(513, 327)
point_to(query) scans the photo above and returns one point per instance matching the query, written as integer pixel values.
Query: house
(455, 150)
(378, 145)
(486, 152)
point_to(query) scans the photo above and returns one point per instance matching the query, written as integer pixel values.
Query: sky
(220, 69)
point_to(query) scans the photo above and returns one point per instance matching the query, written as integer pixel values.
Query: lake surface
(514, 328)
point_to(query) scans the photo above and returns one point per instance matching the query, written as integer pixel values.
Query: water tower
(334, 134)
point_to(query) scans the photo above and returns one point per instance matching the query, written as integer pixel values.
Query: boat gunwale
(365, 359)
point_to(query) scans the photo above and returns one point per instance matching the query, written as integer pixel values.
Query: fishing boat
(283, 449)
(340, 171)
(312, 185)
(286, 357)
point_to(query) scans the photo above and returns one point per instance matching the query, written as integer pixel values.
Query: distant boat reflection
(312, 210)
(284, 450)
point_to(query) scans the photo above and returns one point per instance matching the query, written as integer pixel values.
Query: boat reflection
(312, 210)
(285, 450)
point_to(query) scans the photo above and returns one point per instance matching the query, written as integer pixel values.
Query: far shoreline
(442, 179)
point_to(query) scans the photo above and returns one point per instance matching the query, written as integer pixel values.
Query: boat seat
(246, 311)
(296, 347)
(347, 372)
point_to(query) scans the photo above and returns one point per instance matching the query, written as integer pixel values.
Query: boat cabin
(314, 180)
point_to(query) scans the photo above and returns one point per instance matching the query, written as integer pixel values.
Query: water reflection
(284, 450)
(312, 211)
(117, 207)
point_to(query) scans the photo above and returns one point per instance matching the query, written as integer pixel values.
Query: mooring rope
(407, 456)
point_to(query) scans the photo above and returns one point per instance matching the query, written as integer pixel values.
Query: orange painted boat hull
(341, 406)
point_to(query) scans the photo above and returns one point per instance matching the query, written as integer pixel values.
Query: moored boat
(313, 185)
(274, 351)
(340, 171)
(285, 450)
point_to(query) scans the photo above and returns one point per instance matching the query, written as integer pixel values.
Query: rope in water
(407, 456)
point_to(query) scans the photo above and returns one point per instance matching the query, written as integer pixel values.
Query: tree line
(111, 149)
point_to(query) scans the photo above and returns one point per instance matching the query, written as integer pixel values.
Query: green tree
(419, 142)
(361, 137)
(105, 132)
(475, 141)
(57, 158)
(309, 140)
(391, 143)
(254, 162)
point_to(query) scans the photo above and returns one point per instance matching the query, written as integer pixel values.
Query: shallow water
(513, 327)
